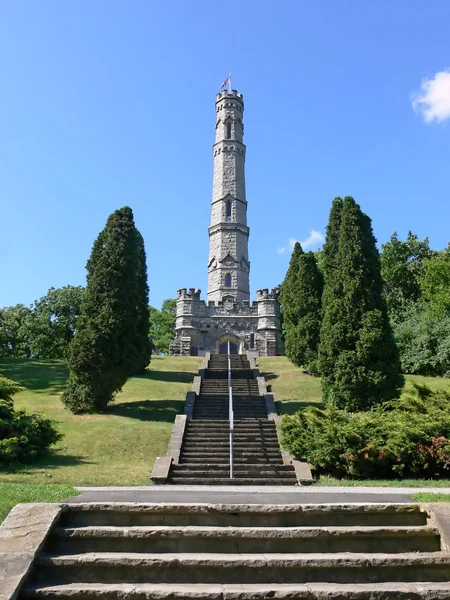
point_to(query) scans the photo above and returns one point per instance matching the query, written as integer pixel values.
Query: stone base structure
(227, 315)
(202, 327)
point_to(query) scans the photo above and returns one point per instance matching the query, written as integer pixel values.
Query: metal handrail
(230, 411)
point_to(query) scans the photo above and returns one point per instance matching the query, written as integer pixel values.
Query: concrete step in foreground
(123, 567)
(164, 538)
(279, 480)
(130, 551)
(280, 591)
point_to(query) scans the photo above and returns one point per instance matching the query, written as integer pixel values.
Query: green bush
(23, 436)
(8, 388)
(406, 437)
(424, 344)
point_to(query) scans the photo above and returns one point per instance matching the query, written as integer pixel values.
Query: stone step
(247, 425)
(221, 458)
(238, 410)
(73, 540)
(241, 413)
(254, 475)
(221, 386)
(224, 407)
(224, 466)
(252, 444)
(185, 480)
(238, 453)
(248, 438)
(213, 415)
(191, 457)
(254, 591)
(224, 402)
(123, 567)
(266, 471)
(237, 436)
(223, 374)
(237, 430)
(246, 515)
(246, 422)
(236, 381)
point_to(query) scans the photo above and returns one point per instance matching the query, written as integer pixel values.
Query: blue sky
(111, 103)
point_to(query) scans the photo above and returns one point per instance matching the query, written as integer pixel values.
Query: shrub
(23, 436)
(406, 437)
(8, 388)
(424, 344)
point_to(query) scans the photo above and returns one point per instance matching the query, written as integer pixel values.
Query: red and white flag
(226, 82)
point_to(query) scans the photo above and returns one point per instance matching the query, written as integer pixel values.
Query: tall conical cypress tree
(359, 361)
(302, 335)
(330, 328)
(143, 343)
(288, 289)
(104, 351)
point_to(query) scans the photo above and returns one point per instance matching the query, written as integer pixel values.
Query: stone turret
(269, 320)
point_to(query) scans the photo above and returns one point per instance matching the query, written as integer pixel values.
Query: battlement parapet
(234, 94)
(264, 294)
(191, 294)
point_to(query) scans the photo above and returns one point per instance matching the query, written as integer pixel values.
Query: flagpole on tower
(229, 83)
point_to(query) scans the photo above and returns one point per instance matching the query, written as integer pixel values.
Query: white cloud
(433, 100)
(315, 238)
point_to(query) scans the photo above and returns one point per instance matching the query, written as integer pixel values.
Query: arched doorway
(223, 348)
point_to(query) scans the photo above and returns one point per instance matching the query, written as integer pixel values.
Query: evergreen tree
(302, 335)
(143, 342)
(330, 338)
(288, 290)
(359, 360)
(105, 349)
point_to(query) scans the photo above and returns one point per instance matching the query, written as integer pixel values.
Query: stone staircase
(205, 451)
(241, 552)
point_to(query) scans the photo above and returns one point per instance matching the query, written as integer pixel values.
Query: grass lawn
(114, 448)
(430, 497)
(119, 447)
(326, 480)
(292, 388)
(14, 493)
(295, 390)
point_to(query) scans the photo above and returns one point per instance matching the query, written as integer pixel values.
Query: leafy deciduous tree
(14, 341)
(402, 267)
(162, 324)
(52, 322)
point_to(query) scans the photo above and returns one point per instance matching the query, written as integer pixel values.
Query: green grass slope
(294, 390)
(115, 448)
(120, 446)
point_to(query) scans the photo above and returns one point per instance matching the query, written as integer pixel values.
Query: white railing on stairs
(230, 411)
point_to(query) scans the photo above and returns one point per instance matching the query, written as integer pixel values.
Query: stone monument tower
(228, 266)
(228, 316)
